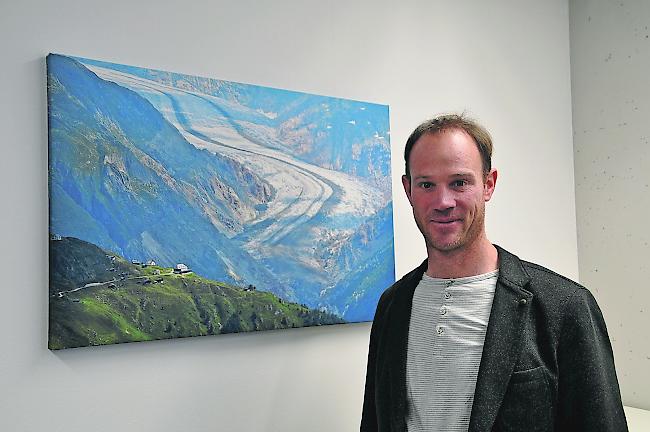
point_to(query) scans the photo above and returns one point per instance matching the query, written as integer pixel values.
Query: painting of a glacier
(186, 206)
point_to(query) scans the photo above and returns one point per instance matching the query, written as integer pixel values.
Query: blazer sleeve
(369, 413)
(370, 417)
(589, 397)
(369, 422)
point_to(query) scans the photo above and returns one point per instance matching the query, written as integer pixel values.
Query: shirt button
(443, 310)
(440, 330)
(447, 295)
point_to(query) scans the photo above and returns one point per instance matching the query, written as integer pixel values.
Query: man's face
(448, 190)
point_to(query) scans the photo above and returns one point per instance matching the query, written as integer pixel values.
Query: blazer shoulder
(532, 277)
(547, 278)
(561, 291)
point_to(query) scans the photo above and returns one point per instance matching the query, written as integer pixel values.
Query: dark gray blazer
(547, 363)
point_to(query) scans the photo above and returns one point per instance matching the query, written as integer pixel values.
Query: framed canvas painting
(186, 206)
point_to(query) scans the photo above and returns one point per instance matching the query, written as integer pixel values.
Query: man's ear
(489, 184)
(406, 182)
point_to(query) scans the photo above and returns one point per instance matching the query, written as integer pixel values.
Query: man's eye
(426, 185)
(459, 183)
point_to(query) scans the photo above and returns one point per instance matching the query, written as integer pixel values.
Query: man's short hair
(447, 122)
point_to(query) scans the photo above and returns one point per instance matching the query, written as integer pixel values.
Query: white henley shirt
(447, 330)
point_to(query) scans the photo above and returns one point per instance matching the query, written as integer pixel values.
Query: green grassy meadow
(128, 303)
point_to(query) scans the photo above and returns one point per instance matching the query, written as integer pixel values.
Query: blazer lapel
(502, 341)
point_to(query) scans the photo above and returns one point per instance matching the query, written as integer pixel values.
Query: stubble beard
(463, 240)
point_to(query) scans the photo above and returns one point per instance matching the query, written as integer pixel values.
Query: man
(475, 338)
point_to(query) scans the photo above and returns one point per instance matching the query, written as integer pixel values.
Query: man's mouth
(444, 221)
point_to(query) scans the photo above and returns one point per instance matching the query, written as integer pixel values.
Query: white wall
(505, 61)
(610, 67)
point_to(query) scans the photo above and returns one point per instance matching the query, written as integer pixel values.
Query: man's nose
(443, 200)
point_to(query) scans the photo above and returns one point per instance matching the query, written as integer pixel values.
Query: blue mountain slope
(123, 178)
(367, 267)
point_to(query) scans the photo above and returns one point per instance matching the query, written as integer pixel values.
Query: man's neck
(479, 258)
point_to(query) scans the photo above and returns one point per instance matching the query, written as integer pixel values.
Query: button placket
(443, 312)
(441, 328)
